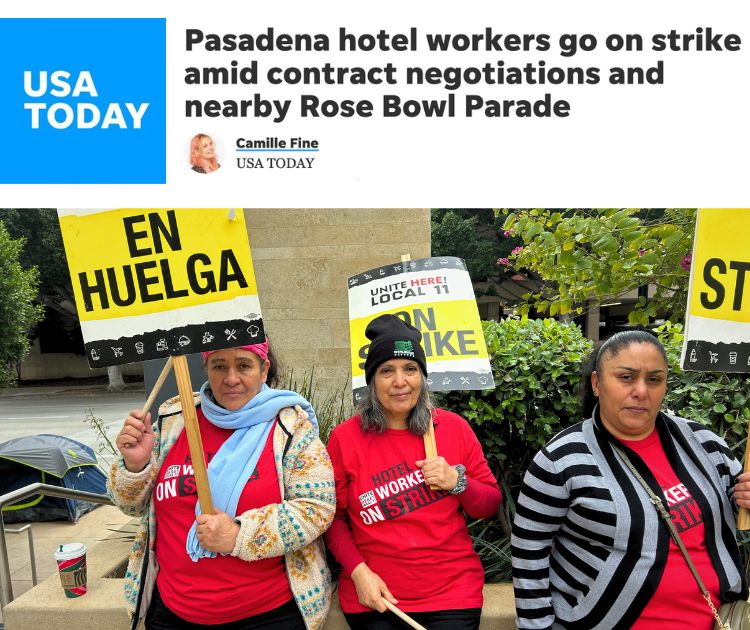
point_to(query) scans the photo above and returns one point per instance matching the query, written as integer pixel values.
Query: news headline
(391, 49)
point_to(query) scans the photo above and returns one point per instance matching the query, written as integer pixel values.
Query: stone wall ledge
(46, 607)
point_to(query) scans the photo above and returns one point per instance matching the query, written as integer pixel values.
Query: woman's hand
(437, 472)
(742, 490)
(217, 532)
(371, 590)
(136, 441)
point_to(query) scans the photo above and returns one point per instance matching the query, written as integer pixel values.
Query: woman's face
(397, 387)
(631, 386)
(235, 375)
(206, 148)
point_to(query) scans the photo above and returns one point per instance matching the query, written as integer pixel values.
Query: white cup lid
(70, 551)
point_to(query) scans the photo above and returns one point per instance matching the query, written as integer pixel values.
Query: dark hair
(611, 347)
(372, 418)
(272, 380)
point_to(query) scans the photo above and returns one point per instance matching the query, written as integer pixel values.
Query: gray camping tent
(51, 459)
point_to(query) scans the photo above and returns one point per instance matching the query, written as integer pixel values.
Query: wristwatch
(461, 483)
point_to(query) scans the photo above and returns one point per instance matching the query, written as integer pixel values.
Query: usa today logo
(85, 114)
(84, 100)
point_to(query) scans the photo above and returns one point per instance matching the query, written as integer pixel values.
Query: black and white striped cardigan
(588, 548)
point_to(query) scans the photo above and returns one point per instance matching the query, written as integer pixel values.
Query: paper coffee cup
(71, 563)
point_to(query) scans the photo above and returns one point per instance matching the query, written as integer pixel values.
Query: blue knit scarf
(235, 461)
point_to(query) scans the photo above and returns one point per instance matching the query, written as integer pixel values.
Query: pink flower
(503, 261)
(508, 233)
(641, 252)
(517, 250)
(686, 261)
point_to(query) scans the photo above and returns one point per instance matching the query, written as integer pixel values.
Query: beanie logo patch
(403, 349)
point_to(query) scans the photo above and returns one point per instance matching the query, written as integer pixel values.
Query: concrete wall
(302, 260)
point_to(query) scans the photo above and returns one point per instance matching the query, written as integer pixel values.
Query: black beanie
(392, 338)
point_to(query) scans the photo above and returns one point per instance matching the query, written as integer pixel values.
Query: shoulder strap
(667, 518)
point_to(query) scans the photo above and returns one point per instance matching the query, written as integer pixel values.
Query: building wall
(302, 260)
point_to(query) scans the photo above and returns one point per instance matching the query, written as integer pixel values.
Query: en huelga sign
(150, 283)
(717, 318)
(435, 296)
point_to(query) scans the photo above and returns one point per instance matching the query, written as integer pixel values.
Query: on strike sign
(150, 283)
(717, 318)
(435, 296)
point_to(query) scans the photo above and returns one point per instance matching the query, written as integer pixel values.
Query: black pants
(285, 617)
(458, 619)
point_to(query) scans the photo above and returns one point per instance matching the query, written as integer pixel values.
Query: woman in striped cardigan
(589, 550)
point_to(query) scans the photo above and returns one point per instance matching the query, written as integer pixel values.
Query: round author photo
(203, 158)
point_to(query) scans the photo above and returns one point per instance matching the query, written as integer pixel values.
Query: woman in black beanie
(399, 531)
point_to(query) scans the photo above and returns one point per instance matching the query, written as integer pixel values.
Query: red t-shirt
(414, 538)
(224, 588)
(678, 595)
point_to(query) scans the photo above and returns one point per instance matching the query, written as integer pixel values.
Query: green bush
(536, 365)
(19, 288)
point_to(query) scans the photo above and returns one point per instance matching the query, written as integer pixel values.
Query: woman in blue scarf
(258, 562)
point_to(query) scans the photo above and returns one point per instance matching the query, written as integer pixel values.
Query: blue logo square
(84, 100)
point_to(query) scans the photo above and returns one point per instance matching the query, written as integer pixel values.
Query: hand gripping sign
(717, 318)
(159, 283)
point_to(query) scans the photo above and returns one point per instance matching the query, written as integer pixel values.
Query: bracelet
(461, 483)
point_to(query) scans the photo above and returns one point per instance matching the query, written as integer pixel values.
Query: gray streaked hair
(372, 417)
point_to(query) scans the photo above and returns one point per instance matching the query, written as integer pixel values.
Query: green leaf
(606, 243)
(673, 239)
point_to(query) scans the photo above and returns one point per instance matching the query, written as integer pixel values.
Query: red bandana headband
(261, 349)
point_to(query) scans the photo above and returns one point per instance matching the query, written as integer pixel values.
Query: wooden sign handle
(403, 616)
(185, 389)
(155, 391)
(430, 447)
(157, 387)
(743, 518)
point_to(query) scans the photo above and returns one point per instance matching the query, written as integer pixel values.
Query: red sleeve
(339, 535)
(482, 496)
